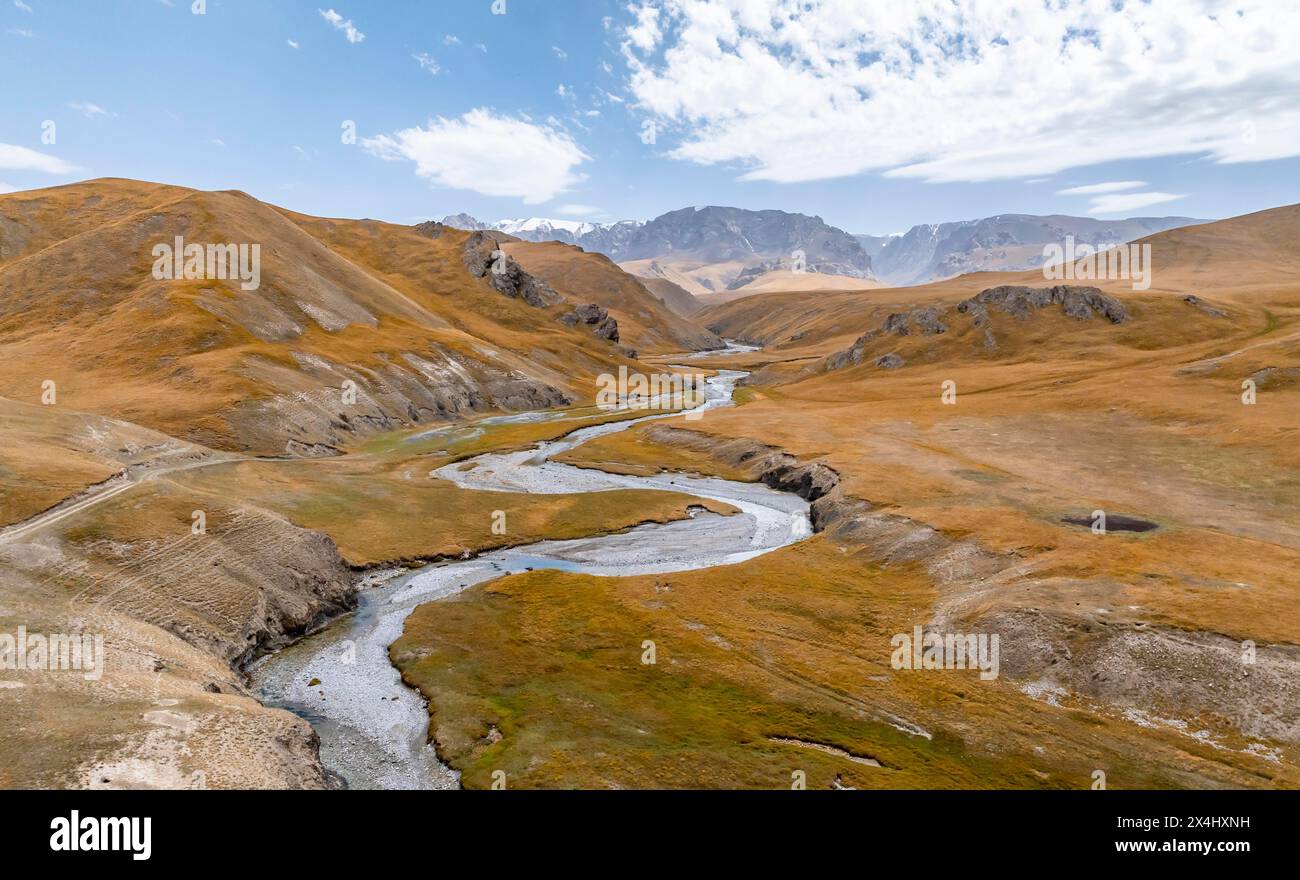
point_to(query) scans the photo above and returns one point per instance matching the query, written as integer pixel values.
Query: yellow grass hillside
(355, 327)
(970, 479)
(645, 323)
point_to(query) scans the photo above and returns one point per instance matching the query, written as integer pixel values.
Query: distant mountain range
(605, 238)
(712, 249)
(756, 240)
(1003, 243)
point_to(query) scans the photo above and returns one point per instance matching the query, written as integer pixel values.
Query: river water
(374, 729)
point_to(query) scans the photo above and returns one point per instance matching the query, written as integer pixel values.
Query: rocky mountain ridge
(1005, 242)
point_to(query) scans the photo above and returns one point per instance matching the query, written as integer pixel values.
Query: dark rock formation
(1077, 302)
(978, 312)
(1080, 303)
(777, 469)
(926, 320)
(851, 356)
(478, 254)
(484, 259)
(430, 229)
(856, 353)
(592, 315)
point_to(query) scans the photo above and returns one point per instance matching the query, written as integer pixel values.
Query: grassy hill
(382, 306)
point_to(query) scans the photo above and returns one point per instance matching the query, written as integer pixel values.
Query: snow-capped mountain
(606, 238)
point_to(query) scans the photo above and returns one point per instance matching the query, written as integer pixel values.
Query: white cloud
(15, 158)
(22, 32)
(578, 210)
(645, 34)
(964, 90)
(488, 153)
(559, 53)
(451, 40)
(293, 44)
(87, 109)
(1126, 202)
(1093, 189)
(23, 6)
(427, 62)
(564, 91)
(340, 24)
(482, 47)
(7, 188)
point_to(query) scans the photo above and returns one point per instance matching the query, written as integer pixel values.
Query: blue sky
(874, 119)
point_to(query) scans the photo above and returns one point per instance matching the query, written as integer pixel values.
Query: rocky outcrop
(1020, 302)
(1081, 303)
(478, 254)
(926, 320)
(1197, 303)
(766, 464)
(857, 353)
(595, 317)
(430, 229)
(484, 258)
(508, 278)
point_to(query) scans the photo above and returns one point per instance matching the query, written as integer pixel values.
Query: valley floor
(1164, 657)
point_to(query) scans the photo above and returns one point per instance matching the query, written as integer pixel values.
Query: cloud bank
(964, 90)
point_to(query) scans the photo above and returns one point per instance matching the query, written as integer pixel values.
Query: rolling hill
(391, 312)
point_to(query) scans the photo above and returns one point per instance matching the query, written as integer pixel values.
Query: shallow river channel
(373, 729)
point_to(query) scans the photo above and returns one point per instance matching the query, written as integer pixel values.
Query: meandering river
(374, 729)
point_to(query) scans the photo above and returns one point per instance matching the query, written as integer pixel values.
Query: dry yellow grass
(794, 646)
(379, 304)
(1111, 641)
(1143, 419)
(377, 514)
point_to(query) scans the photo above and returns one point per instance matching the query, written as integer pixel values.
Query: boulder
(595, 317)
